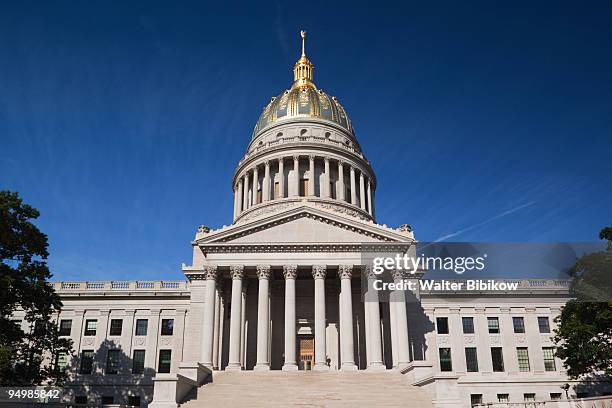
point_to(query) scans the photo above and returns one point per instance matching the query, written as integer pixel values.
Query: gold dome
(303, 100)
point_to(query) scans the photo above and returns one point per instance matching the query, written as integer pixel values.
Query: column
(392, 318)
(236, 198)
(209, 315)
(311, 182)
(237, 272)
(266, 182)
(318, 273)
(217, 326)
(362, 201)
(353, 188)
(244, 325)
(281, 181)
(255, 184)
(263, 318)
(373, 310)
(346, 310)
(245, 204)
(240, 196)
(296, 175)
(325, 191)
(218, 363)
(370, 197)
(403, 344)
(290, 273)
(340, 194)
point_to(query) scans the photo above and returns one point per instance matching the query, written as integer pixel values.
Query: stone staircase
(308, 389)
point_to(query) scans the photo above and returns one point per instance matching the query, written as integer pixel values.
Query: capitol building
(271, 311)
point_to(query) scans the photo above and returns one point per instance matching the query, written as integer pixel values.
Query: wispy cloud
(496, 217)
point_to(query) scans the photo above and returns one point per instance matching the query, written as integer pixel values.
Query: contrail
(508, 212)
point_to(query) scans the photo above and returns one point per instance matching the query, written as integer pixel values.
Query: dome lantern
(303, 69)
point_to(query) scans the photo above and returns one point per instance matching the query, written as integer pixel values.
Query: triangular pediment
(305, 225)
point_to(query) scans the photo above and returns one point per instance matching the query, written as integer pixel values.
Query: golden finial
(303, 33)
(303, 68)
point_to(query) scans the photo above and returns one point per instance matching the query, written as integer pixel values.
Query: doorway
(306, 348)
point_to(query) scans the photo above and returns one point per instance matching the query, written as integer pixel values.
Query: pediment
(305, 225)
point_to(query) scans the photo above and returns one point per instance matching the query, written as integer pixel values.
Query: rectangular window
(65, 327)
(276, 189)
(503, 398)
(138, 362)
(303, 187)
(61, 362)
(471, 359)
(493, 324)
(167, 328)
(165, 358)
(86, 361)
(475, 399)
(519, 324)
(497, 358)
(468, 326)
(523, 358)
(445, 360)
(141, 327)
(549, 359)
(91, 326)
(555, 396)
(442, 324)
(112, 361)
(543, 324)
(529, 397)
(115, 327)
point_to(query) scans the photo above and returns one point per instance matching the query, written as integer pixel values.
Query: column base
(321, 367)
(261, 367)
(290, 367)
(233, 367)
(348, 367)
(376, 367)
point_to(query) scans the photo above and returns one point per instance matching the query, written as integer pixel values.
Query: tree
(27, 357)
(584, 332)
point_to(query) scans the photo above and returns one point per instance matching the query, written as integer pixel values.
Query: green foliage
(26, 358)
(584, 332)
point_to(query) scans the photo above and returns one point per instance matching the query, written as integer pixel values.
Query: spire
(303, 68)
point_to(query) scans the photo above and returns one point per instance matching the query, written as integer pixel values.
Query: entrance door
(306, 353)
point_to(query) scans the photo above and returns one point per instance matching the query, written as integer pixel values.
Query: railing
(119, 285)
(591, 402)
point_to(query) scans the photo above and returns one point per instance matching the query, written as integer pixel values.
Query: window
(471, 359)
(445, 360)
(167, 327)
(90, 327)
(503, 398)
(523, 358)
(549, 359)
(276, 189)
(497, 358)
(86, 361)
(65, 327)
(134, 401)
(112, 361)
(493, 323)
(543, 324)
(442, 325)
(115, 327)
(529, 397)
(61, 362)
(519, 324)
(555, 396)
(303, 187)
(108, 400)
(80, 399)
(141, 327)
(475, 399)
(468, 327)
(138, 362)
(165, 357)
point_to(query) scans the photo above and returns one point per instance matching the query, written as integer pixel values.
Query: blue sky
(122, 122)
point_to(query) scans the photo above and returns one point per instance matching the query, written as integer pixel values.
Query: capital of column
(345, 271)
(210, 272)
(290, 271)
(319, 271)
(326, 159)
(237, 272)
(267, 164)
(296, 157)
(311, 157)
(263, 271)
(368, 272)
